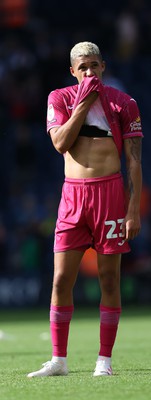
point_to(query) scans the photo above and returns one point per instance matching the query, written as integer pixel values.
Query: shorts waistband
(85, 181)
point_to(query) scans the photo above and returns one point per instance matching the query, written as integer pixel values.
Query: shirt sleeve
(131, 120)
(56, 111)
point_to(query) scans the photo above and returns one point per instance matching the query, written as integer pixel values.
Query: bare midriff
(91, 157)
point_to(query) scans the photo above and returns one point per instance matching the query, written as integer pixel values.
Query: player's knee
(60, 284)
(109, 283)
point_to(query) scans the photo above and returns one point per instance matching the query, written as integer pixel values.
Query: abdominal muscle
(92, 157)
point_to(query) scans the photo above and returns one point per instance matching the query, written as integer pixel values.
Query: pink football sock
(60, 318)
(109, 319)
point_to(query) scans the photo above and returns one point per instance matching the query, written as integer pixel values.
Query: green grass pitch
(23, 349)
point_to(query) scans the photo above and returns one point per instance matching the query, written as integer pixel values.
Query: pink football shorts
(90, 214)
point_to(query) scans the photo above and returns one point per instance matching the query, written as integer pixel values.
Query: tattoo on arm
(136, 148)
(135, 151)
(130, 182)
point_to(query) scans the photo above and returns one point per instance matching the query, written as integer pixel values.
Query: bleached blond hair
(84, 49)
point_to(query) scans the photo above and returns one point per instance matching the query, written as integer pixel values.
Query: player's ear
(72, 71)
(103, 66)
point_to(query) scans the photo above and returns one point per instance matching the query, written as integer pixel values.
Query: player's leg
(110, 309)
(109, 266)
(65, 274)
(66, 267)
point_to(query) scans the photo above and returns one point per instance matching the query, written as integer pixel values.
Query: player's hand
(131, 227)
(89, 100)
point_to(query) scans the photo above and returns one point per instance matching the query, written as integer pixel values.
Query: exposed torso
(92, 157)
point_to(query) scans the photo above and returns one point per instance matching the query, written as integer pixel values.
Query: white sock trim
(101, 358)
(56, 358)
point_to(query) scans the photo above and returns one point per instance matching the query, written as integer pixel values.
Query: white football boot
(103, 366)
(57, 366)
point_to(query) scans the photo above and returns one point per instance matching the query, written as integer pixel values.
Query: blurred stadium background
(35, 40)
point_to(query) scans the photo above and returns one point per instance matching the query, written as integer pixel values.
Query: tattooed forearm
(130, 182)
(136, 148)
(132, 147)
